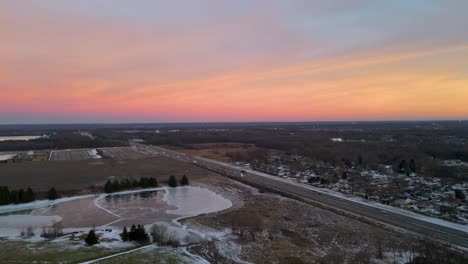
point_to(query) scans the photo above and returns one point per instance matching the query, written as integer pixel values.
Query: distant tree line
(125, 184)
(61, 140)
(23, 196)
(16, 196)
(421, 147)
(144, 182)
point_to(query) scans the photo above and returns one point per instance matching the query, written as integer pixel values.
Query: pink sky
(298, 61)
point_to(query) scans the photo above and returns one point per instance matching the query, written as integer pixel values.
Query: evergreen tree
(108, 187)
(137, 233)
(412, 166)
(29, 196)
(135, 183)
(115, 186)
(184, 180)
(124, 235)
(172, 181)
(4, 195)
(144, 182)
(132, 233)
(140, 234)
(52, 194)
(153, 182)
(14, 197)
(91, 238)
(20, 198)
(125, 184)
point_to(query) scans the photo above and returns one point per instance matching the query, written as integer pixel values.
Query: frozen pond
(160, 205)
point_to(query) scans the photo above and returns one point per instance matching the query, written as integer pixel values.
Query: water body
(22, 138)
(162, 205)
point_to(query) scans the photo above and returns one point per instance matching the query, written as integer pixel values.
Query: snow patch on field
(93, 153)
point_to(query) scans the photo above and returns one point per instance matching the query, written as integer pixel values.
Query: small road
(395, 218)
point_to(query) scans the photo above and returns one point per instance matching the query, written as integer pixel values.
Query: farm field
(127, 152)
(70, 154)
(83, 174)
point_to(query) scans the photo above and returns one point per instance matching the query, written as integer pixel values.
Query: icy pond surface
(160, 205)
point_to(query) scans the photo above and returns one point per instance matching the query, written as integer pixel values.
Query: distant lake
(23, 138)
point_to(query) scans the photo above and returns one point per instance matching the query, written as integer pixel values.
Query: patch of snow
(93, 153)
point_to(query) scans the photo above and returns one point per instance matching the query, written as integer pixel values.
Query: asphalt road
(389, 216)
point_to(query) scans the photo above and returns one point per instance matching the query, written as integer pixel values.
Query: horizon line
(239, 122)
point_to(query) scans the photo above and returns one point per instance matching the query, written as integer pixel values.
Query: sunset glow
(178, 61)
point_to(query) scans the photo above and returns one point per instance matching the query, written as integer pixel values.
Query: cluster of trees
(23, 196)
(16, 196)
(144, 182)
(173, 181)
(125, 184)
(407, 168)
(52, 194)
(136, 233)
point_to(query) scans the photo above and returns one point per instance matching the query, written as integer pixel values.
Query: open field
(120, 153)
(224, 152)
(51, 252)
(288, 231)
(152, 255)
(77, 175)
(70, 154)
(126, 153)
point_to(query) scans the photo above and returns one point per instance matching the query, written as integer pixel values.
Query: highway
(395, 218)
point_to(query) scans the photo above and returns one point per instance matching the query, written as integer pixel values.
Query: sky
(118, 61)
